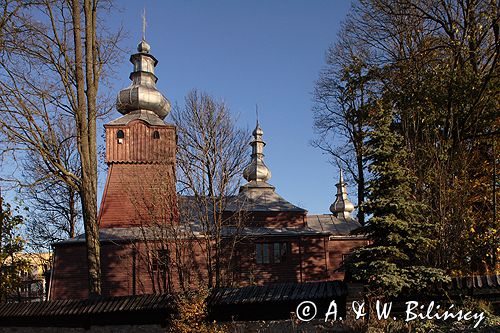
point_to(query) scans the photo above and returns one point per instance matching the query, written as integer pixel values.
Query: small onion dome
(142, 94)
(257, 170)
(342, 205)
(258, 131)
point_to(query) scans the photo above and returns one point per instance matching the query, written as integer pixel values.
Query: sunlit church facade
(276, 240)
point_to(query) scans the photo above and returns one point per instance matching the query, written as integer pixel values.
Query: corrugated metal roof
(191, 230)
(136, 233)
(262, 231)
(261, 201)
(331, 224)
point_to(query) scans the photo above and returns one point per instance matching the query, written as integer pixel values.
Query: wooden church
(153, 240)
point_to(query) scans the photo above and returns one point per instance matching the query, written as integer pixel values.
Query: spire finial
(342, 207)
(257, 113)
(144, 24)
(256, 170)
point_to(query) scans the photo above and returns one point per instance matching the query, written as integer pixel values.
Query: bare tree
(211, 156)
(344, 93)
(53, 60)
(55, 209)
(9, 10)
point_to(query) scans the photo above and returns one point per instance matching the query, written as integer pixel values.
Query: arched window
(119, 136)
(156, 135)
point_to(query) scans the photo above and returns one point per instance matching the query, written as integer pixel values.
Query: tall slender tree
(397, 260)
(343, 93)
(50, 71)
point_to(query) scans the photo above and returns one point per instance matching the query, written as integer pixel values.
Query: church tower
(140, 152)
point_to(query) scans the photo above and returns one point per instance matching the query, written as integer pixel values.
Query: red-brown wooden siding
(270, 219)
(132, 190)
(336, 248)
(138, 144)
(118, 274)
(141, 180)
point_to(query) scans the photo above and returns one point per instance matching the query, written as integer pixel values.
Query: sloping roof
(107, 234)
(138, 233)
(332, 225)
(263, 231)
(325, 224)
(143, 309)
(145, 115)
(189, 231)
(278, 292)
(261, 200)
(474, 282)
(191, 208)
(272, 301)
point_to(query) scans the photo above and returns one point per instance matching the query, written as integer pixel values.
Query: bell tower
(140, 152)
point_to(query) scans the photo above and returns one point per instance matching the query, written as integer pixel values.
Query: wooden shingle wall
(139, 144)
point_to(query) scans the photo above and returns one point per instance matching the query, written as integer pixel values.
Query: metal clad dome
(256, 170)
(342, 205)
(142, 94)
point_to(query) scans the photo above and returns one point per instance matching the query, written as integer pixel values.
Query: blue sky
(267, 53)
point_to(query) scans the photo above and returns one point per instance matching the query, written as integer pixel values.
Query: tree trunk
(361, 189)
(73, 215)
(86, 137)
(89, 208)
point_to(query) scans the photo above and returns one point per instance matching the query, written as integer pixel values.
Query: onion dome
(257, 195)
(256, 170)
(142, 93)
(342, 207)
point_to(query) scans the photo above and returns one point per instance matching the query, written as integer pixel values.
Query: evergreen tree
(396, 261)
(438, 63)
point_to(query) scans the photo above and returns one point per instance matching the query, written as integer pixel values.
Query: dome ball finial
(143, 47)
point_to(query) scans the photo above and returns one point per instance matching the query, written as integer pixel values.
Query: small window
(120, 134)
(265, 253)
(271, 253)
(258, 253)
(280, 252)
(262, 253)
(160, 260)
(156, 135)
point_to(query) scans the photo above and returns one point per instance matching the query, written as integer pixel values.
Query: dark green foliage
(433, 141)
(396, 261)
